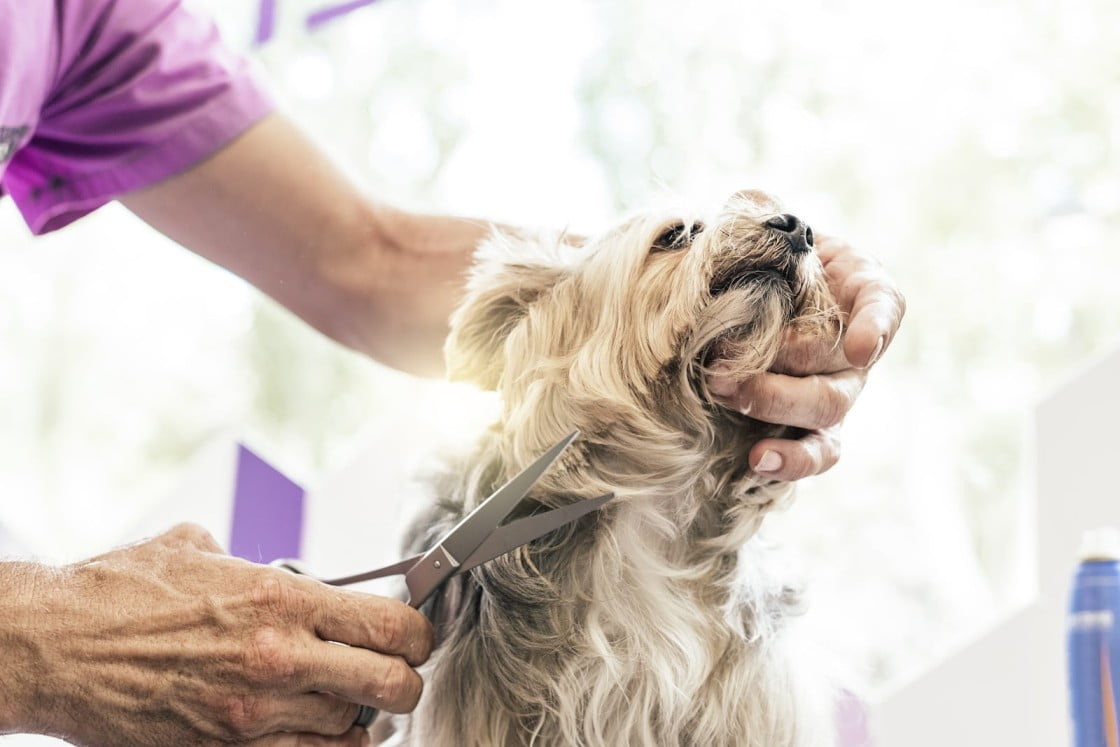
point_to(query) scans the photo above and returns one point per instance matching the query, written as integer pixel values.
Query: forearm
(398, 289)
(21, 675)
(270, 208)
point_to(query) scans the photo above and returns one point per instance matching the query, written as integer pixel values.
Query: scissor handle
(366, 714)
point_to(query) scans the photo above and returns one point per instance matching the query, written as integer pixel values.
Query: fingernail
(878, 351)
(771, 461)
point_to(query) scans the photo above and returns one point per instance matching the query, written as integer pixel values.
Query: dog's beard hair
(656, 622)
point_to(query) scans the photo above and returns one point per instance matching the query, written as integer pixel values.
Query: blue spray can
(1094, 641)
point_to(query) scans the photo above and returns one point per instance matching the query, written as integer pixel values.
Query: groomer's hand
(173, 642)
(814, 383)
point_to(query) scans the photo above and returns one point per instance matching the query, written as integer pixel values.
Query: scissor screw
(437, 564)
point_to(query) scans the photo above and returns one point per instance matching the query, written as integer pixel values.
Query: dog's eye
(676, 236)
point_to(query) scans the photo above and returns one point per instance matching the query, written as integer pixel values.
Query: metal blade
(396, 569)
(523, 531)
(476, 526)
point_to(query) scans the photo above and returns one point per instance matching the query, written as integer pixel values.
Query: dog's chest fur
(622, 629)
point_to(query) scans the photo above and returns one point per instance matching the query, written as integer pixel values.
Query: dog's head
(615, 336)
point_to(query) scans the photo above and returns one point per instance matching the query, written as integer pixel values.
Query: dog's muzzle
(795, 239)
(796, 232)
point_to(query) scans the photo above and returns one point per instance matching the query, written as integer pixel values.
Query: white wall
(1008, 687)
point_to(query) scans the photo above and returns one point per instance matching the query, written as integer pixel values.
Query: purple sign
(319, 17)
(267, 511)
(266, 18)
(266, 21)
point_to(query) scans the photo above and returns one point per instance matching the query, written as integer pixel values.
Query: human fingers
(354, 737)
(801, 355)
(313, 713)
(376, 623)
(877, 309)
(385, 682)
(810, 402)
(296, 651)
(867, 296)
(794, 459)
(804, 354)
(252, 715)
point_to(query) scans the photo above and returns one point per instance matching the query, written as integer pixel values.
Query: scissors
(480, 536)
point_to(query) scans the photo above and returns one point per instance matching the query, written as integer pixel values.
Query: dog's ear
(499, 295)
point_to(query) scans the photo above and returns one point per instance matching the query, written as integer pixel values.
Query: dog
(656, 621)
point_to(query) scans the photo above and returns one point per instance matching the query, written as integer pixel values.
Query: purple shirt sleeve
(140, 91)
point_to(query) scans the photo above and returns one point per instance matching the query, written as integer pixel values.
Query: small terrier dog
(655, 622)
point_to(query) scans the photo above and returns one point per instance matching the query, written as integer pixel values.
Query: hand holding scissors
(480, 536)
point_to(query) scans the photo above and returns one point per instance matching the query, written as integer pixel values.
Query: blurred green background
(974, 147)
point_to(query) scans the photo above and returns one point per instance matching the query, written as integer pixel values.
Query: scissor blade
(523, 531)
(476, 526)
(396, 569)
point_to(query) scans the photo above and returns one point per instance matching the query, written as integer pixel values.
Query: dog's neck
(690, 492)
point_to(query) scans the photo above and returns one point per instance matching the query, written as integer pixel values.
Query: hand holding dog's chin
(171, 641)
(815, 381)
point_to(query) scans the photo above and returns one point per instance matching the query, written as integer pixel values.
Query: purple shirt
(102, 97)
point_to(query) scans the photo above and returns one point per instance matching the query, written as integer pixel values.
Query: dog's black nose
(799, 234)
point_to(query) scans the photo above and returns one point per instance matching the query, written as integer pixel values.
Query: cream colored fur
(658, 622)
